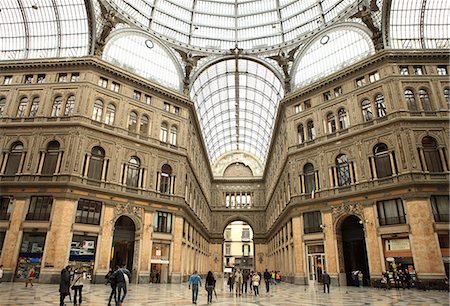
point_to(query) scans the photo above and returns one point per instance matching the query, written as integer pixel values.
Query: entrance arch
(354, 249)
(238, 247)
(122, 252)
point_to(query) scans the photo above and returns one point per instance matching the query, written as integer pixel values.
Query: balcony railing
(38, 216)
(392, 220)
(441, 218)
(4, 215)
(314, 229)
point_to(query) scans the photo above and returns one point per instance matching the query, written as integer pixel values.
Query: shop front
(159, 271)
(82, 253)
(30, 255)
(315, 263)
(398, 256)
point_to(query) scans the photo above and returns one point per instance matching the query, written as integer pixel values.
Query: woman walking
(30, 277)
(210, 285)
(77, 285)
(255, 283)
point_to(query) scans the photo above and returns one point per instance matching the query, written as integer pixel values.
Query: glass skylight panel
(130, 51)
(174, 10)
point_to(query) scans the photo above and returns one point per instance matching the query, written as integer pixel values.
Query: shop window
(132, 122)
(82, 253)
(431, 154)
(343, 119)
(115, 86)
(14, 158)
(51, 158)
(28, 79)
(75, 77)
(418, 70)
(110, 114)
(103, 82)
(360, 82)
(301, 134)
(132, 179)
(40, 208)
(41, 78)
(7, 80)
(404, 70)
(97, 112)
(410, 100)
(173, 135)
(137, 95)
(309, 177)
(441, 207)
(96, 163)
(163, 222)
(165, 179)
(312, 222)
(442, 70)
(30, 255)
(380, 105)
(163, 133)
(311, 131)
(144, 125)
(34, 106)
(5, 208)
(70, 104)
(391, 212)
(374, 76)
(424, 100)
(88, 212)
(22, 109)
(57, 106)
(62, 77)
(331, 123)
(343, 170)
(382, 160)
(366, 107)
(2, 106)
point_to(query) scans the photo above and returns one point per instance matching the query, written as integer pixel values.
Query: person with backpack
(112, 281)
(195, 281)
(30, 277)
(122, 277)
(77, 285)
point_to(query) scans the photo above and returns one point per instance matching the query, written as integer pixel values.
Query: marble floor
(176, 294)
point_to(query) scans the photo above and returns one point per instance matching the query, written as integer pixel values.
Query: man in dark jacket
(326, 280)
(267, 277)
(120, 275)
(64, 285)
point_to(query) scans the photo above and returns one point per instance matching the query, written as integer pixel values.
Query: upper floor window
(62, 77)
(245, 234)
(301, 134)
(70, 104)
(110, 114)
(115, 86)
(343, 170)
(404, 70)
(360, 82)
(22, 109)
(148, 99)
(227, 234)
(327, 96)
(311, 131)
(165, 179)
(14, 158)
(431, 154)
(132, 122)
(96, 163)
(440, 206)
(391, 212)
(97, 111)
(442, 70)
(166, 106)
(41, 78)
(418, 70)
(7, 80)
(331, 122)
(173, 135)
(312, 222)
(342, 114)
(302, 106)
(366, 107)
(176, 110)
(51, 158)
(163, 222)
(410, 100)
(374, 76)
(28, 79)
(163, 134)
(309, 178)
(103, 82)
(40, 208)
(424, 100)
(338, 91)
(380, 105)
(5, 207)
(75, 77)
(2, 106)
(34, 106)
(137, 95)
(88, 212)
(132, 179)
(144, 125)
(57, 106)
(382, 160)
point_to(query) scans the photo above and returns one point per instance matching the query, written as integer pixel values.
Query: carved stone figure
(365, 14)
(283, 61)
(109, 22)
(190, 62)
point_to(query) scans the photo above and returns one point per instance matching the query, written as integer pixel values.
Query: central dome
(219, 25)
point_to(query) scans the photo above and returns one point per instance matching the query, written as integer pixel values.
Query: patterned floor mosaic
(176, 294)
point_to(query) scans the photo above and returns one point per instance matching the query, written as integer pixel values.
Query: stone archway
(123, 245)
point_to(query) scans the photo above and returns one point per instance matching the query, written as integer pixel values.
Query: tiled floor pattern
(176, 294)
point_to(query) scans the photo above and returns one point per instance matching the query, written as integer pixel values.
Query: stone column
(146, 248)
(331, 254)
(58, 240)
(372, 242)
(423, 239)
(298, 251)
(216, 259)
(260, 253)
(104, 244)
(175, 273)
(13, 239)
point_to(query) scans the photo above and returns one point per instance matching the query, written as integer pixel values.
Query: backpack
(126, 278)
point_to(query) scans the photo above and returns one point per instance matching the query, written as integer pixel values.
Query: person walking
(273, 278)
(112, 281)
(251, 283)
(255, 283)
(120, 275)
(238, 279)
(230, 281)
(245, 278)
(267, 279)
(77, 285)
(360, 279)
(195, 281)
(326, 280)
(1, 273)
(210, 284)
(30, 277)
(64, 284)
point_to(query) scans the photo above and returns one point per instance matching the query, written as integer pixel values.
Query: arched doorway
(238, 247)
(123, 243)
(354, 249)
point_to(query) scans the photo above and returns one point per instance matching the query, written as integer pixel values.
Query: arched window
(431, 154)
(366, 107)
(165, 179)
(410, 100)
(57, 105)
(96, 163)
(134, 165)
(70, 104)
(425, 100)
(132, 122)
(2, 106)
(382, 160)
(447, 96)
(51, 158)
(163, 135)
(98, 110)
(173, 135)
(343, 170)
(34, 106)
(301, 134)
(22, 109)
(15, 155)
(331, 123)
(380, 105)
(343, 120)
(311, 131)
(110, 114)
(310, 183)
(143, 129)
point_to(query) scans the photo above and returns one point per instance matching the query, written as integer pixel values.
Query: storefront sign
(159, 261)
(397, 244)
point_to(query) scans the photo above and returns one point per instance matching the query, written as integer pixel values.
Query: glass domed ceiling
(221, 24)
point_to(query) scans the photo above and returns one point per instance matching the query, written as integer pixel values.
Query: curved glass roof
(330, 52)
(137, 53)
(215, 24)
(236, 101)
(43, 29)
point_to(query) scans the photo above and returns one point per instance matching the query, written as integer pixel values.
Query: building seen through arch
(140, 139)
